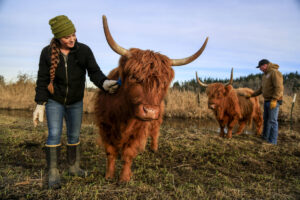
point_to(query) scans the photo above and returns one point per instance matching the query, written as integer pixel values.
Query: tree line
(291, 83)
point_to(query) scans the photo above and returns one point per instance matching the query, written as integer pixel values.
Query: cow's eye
(132, 79)
(138, 81)
(135, 79)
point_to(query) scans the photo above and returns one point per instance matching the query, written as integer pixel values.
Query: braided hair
(54, 45)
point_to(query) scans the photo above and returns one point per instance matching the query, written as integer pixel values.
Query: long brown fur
(145, 77)
(231, 108)
(250, 108)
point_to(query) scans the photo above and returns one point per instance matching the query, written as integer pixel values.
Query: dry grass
(88, 101)
(285, 108)
(19, 95)
(181, 104)
(186, 104)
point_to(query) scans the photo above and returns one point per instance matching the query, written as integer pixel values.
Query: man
(272, 90)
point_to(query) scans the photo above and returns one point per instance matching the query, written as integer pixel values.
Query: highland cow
(126, 119)
(230, 106)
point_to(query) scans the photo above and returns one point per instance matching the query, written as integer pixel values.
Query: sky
(241, 32)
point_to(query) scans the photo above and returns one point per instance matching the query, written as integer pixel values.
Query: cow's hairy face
(146, 77)
(216, 93)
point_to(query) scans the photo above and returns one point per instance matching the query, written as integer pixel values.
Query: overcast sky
(241, 32)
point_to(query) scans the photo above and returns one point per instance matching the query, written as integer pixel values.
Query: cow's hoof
(154, 146)
(124, 179)
(153, 150)
(109, 177)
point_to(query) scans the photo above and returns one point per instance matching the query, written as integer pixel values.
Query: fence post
(293, 103)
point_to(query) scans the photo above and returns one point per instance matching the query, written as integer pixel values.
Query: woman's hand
(38, 114)
(111, 86)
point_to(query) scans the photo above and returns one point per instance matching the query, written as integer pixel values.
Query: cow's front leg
(241, 127)
(222, 133)
(222, 126)
(154, 130)
(230, 127)
(258, 124)
(128, 155)
(154, 142)
(129, 152)
(111, 153)
(126, 171)
(154, 134)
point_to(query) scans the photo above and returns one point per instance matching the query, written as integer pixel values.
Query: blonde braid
(54, 45)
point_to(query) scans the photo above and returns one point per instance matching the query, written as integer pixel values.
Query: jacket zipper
(66, 68)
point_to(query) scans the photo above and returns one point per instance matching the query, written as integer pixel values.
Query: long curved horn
(184, 61)
(231, 78)
(113, 45)
(200, 83)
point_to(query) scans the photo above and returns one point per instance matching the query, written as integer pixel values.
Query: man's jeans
(270, 130)
(55, 113)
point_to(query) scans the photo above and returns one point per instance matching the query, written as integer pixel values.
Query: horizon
(240, 33)
(29, 77)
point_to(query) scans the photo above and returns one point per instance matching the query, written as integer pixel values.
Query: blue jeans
(270, 130)
(55, 113)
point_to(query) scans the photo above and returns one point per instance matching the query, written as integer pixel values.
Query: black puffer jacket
(69, 79)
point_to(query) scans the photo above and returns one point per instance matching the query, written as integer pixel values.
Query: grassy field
(192, 163)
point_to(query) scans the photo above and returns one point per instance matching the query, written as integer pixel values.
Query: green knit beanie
(61, 26)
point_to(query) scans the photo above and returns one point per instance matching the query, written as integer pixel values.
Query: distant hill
(291, 83)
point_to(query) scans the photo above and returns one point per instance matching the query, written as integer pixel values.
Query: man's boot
(52, 155)
(73, 156)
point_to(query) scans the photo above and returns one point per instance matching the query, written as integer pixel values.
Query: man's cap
(262, 62)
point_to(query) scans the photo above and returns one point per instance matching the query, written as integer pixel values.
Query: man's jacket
(272, 84)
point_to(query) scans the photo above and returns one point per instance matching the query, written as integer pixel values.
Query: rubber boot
(73, 157)
(52, 154)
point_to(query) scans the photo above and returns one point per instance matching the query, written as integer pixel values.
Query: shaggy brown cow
(230, 106)
(127, 118)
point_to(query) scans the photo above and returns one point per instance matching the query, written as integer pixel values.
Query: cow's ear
(228, 88)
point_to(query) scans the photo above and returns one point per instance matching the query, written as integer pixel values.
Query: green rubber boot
(73, 156)
(52, 154)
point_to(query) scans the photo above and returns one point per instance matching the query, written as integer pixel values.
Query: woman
(60, 88)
